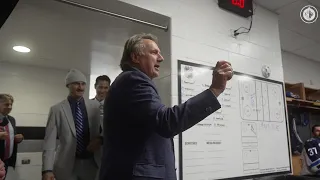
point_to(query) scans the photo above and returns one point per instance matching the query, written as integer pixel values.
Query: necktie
(8, 141)
(101, 108)
(79, 129)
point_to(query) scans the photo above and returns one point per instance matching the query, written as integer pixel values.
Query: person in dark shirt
(9, 139)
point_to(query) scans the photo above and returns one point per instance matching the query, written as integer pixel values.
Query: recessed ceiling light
(22, 49)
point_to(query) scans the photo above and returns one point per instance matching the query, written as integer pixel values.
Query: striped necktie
(79, 129)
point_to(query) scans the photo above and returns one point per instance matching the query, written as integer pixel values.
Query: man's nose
(160, 58)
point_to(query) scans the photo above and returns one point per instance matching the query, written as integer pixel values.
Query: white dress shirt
(11, 134)
(101, 103)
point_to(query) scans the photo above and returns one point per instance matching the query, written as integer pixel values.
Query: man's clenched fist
(222, 73)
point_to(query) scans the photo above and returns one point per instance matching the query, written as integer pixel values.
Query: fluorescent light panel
(21, 49)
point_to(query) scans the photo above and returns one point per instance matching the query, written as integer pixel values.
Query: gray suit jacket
(61, 125)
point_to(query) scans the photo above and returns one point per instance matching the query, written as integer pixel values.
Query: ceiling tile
(312, 52)
(315, 3)
(311, 31)
(274, 4)
(62, 36)
(291, 41)
(289, 18)
(292, 8)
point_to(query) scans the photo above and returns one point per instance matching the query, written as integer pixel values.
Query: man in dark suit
(138, 128)
(9, 138)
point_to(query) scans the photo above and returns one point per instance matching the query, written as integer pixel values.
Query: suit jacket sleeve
(49, 145)
(96, 106)
(13, 158)
(95, 121)
(150, 113)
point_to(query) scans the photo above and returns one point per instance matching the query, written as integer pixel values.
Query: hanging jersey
(311, 156)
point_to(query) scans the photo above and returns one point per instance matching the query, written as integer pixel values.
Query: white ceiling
(62, 36)
(296, 36)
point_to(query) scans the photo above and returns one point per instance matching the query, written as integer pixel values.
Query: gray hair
(6, 97)
(134, 45)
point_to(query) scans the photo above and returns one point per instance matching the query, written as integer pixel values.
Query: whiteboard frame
(181, 62)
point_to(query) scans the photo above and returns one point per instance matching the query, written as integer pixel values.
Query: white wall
(162, 83)
(105, 60)
(34, 89)
(298, 69)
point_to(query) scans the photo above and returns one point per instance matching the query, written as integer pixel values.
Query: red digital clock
(239, 3)
(240, 7)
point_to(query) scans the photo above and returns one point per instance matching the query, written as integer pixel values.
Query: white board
(246, 138)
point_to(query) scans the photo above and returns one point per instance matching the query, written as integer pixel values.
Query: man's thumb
(218, 64)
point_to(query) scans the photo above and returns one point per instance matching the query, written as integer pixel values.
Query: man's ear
(134, 58)
(68, 87)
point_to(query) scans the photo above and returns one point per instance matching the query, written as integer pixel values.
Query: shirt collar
(72, 100)
(98, 100)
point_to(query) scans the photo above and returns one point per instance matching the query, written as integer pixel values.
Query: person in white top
(101, 85)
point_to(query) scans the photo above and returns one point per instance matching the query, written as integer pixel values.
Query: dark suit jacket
(12, 160)
(139, 128)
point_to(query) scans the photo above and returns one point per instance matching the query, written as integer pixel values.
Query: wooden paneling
(297, 164)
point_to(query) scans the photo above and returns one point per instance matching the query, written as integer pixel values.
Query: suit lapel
(89, 115)
(13, 123)
(11, 120)
(67, 110)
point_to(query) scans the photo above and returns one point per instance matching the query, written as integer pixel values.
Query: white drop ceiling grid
(296, 36)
